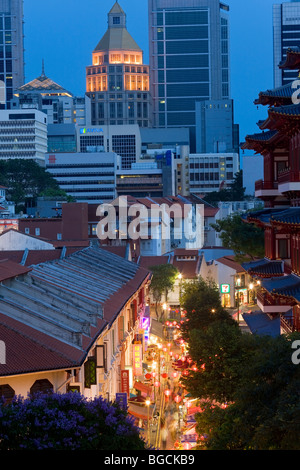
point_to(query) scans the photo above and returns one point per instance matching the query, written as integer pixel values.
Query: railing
(289, 176)
(268, 300)
(287, 324)
(263, 185)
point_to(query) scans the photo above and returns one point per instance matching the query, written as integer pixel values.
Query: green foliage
(163, 280)
(256, 379)
(25, 179)
(201, 301)
(245, 239)
(236, 191)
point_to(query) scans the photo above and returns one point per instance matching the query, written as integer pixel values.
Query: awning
(139, 411)
(143, 388)
(157, 329)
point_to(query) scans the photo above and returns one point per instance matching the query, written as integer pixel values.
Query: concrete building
(60, 105)
(215, 128)
(118, 80)
(87, 177)
(124, 140)
(62, 138)
(189, 59)
(211, 172)
(23, 134)
(286, 35)
(12, 46)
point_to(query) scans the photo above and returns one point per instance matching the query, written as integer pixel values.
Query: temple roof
(279, 117)
(288, 286)
(264, 268)
(292, 61)
(288, 216)
(280, 95)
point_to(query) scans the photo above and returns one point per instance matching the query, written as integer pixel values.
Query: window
(37, 232)
(7, 392)
(27, 230)
(42, 386)
(116, 20)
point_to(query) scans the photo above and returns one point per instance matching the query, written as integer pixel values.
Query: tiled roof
(283, 94)
(264, 267)
(9, 269)
(289, 216)
(65, 304)
(288, 286)
(117, 39)
(261, 324)
(231, 263)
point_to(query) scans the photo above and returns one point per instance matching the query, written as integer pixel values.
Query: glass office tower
(11, 49)
(286, 34)
(189, 59)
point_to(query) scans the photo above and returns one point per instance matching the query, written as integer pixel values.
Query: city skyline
(77, 32)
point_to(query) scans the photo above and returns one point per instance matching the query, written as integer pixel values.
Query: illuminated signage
(137, 359)
(84, 130)
(225, 288)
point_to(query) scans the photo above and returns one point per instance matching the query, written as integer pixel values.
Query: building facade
(60, 105)
(89, 177)
(286, 30)
(125, 140)
(23, 134)
(211, 172)
(12, 49)
(117, 82)
(189, 59)
(278, 273)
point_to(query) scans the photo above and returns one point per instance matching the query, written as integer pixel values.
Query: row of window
(187, 18)
(210, 176)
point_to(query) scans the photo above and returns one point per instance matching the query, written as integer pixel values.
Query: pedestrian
(164, 434)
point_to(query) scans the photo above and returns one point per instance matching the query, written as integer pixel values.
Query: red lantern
(168, 393)
(164, 375)
(148, 376)
(177, 398)
(175, 374)
(156, 384)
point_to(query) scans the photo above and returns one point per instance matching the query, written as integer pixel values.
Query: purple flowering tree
(66, 422)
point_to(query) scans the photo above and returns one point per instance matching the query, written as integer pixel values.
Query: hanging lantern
(183, 358)
(148, 376)
(175, 374)
(156, 384)
(168, 392)
(177, 398)
(165, 349)
(164, 375)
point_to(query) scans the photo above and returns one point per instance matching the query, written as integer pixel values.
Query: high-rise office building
(11, 49)
(189, 59)
(118, 81)
(286, 34)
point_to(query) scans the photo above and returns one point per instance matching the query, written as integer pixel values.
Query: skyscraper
(118, 81)
(11, 48)
(286, 34)
(189, 59)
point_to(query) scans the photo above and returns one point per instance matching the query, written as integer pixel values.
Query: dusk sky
(64, 34)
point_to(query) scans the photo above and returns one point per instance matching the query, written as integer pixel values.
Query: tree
(235, 192)
(201, 302)
(264, 408)
(26, 179)
(66, 422)
(245, 239)
(163, 280)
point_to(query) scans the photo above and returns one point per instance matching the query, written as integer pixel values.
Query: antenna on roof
(43, 67)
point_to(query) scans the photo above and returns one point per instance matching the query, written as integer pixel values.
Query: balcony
(287, 325)
(273, 305)
(266, 189)
(289, 180)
